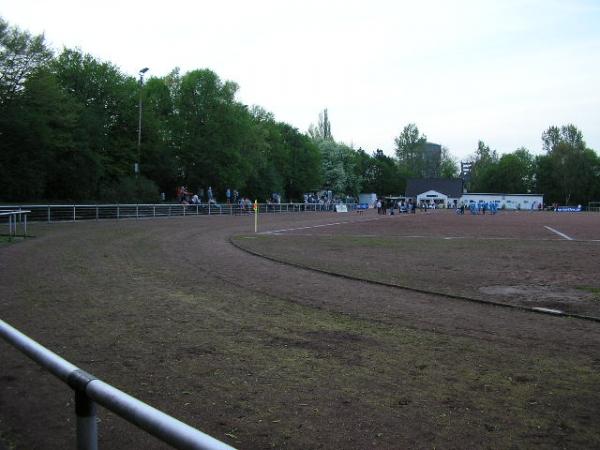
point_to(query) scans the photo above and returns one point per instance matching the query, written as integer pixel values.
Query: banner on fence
(341, 208)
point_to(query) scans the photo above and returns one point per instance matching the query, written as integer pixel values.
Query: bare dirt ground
(264, 355)
(512, 258)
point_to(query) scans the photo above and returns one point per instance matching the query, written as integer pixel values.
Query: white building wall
(439, 197)
(368, 198)
(432, 195)
(507, 201)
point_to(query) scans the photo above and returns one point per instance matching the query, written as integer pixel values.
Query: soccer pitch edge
(536, 310)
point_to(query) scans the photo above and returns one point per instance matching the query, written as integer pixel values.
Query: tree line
(568, 172)
(69, 132)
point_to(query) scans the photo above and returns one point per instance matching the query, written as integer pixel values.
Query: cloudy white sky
(464, 70)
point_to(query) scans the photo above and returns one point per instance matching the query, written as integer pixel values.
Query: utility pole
(139, 143)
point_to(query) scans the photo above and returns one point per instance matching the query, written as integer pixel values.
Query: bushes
(130, 190)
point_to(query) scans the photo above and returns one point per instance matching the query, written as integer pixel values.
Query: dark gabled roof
(451, 188)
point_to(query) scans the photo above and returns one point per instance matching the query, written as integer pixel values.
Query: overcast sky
(499, 71)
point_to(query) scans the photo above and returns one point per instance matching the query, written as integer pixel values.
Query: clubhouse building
(450, 193)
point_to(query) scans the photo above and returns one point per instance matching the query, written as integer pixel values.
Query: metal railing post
(73, 213)
(87, 426)
(48, 213)
(97, 213)
(209, 207)
(118, 212)
(89, 390)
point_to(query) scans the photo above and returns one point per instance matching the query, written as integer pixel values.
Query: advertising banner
(569, 208)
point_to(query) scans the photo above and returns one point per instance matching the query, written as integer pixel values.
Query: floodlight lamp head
(144, 70)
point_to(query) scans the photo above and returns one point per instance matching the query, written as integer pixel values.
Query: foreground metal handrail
(89, 389)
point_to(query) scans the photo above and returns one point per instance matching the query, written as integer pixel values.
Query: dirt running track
(264, 355)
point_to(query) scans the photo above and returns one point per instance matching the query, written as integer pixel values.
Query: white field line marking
(548, 310)
(317, 226)
(559, 233)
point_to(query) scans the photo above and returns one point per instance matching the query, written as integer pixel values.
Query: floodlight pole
(139, 143)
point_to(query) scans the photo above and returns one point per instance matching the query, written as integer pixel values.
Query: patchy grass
(6, 240)
(170, 313)
(593, 290)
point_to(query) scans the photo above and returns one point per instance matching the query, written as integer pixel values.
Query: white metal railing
(74, 212)
(14, 218)
(89, 390)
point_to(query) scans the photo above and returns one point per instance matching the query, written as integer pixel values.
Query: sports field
(321, 331)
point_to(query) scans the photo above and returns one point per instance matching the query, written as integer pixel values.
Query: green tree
(448, 164)
(21, 54)
(25, 121)
(569, 171)
(107, 121)
(382, 177)
(303, 173)
(410, 146)
(339, 172)
(158, 156)
(211, 132)
(513, 173)
(484, 161)
(323, 128)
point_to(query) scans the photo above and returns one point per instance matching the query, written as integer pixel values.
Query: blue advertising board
(569, 209)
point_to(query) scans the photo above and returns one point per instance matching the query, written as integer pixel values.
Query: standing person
(235, 196)
(378, 206)
(228, 195)
(210, 194)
